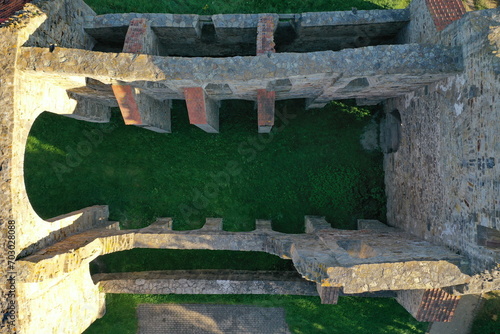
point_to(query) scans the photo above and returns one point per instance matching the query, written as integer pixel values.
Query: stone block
(236, 28)
(212, 224)
(315, 223)
(320, 31)
(160, 225)
(99, 93)
(314, 103)
(488, 237)
(90, 110)
(399, 69)
(353, 18)
(180, 29)
(370, 224)
(218, 89)
(328, 294)
(280, 85)
(263, 225)
(140, 109)
(218, 281)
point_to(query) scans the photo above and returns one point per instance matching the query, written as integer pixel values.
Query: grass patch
(487, 320)
(144, 259)
(303, 314)
(142, 175)
(485, 4)
(314, 165)
(205, 7)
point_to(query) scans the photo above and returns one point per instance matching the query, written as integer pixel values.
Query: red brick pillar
(265, 44)
(433, 305)
(136, 106)
(127, 102)
(203, 111)
(265, 33)
(444, 12)
(265, 107)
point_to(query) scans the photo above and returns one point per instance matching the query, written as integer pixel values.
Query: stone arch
(35, 95)
(41, 95)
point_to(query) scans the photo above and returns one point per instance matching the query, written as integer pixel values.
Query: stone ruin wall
(375, 259)
(81, 301)
(17, 114)
(206, 282)
(443, 181)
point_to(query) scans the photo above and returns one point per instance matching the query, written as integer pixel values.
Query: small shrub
(358, 112)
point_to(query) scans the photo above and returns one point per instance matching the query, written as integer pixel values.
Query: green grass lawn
(312, 165)
(206, 7)
(487, 320)
(142, 259)
(304, 315)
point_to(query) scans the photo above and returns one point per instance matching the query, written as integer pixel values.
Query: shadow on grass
(167, 259)
(303, 314)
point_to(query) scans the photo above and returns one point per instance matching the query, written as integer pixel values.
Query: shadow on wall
(391, 128)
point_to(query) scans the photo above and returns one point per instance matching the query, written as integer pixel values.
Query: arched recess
(36, 94)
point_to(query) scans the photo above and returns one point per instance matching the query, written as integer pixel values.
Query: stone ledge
(358, 261)
(315, 19)
(206, 282)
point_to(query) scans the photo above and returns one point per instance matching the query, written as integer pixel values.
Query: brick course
(136, 36)
(437, 305)
(265, 109)
(128, 106)
(195, 100)
(433, 305)
(203, 112)
(265, 34)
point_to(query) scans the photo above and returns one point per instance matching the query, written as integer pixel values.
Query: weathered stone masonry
(442, 183)
(437, 74)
